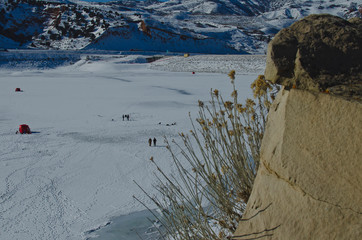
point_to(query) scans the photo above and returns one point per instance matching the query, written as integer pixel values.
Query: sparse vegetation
(208, 197)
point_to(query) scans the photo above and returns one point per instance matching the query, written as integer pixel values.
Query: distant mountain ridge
(200, 26)
(221, 7)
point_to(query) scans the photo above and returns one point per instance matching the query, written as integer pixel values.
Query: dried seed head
(228, 105)
(234, 94)
(260, 86)
(201, 121)
(240, 108)
(250, 103)
(201, 104)
(232, 74)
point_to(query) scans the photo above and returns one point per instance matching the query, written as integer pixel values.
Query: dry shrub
(208, 197)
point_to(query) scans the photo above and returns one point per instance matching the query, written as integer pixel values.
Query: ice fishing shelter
(17, 89)
(24, 129)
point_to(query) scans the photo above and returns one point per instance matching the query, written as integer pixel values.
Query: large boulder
(309, 183)
(319, 53)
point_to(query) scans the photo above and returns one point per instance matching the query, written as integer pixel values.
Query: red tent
(24, 129)
(17, 89)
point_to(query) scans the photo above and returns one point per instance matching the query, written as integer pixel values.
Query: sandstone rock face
(309, 183)
(317, 53)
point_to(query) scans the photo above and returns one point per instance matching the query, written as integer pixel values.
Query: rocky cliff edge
(309, 184)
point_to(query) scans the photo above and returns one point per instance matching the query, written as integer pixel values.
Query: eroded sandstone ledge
(309, 183)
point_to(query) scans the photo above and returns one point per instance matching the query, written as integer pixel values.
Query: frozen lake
(133, 226)
(75, 173)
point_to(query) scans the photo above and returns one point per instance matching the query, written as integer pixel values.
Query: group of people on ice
(125, 117)
(150, 142)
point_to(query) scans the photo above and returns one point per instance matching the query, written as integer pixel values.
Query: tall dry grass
(208, 196)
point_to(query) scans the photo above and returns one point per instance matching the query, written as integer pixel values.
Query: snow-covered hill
(211, 26)
(223, 7)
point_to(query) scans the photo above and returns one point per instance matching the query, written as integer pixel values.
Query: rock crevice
(297, 188)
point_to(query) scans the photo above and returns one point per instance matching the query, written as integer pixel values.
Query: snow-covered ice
(76, 171)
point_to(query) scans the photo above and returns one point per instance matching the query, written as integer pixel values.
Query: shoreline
(131, 226)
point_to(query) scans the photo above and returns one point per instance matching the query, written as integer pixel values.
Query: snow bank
(37, 59)
(44, 59)
(242, 64)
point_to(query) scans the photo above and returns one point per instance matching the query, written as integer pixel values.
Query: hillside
(217, 26)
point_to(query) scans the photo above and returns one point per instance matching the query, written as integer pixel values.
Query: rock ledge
(318, 53)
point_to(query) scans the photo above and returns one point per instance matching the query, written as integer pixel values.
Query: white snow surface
(76, 171)
(243, 64)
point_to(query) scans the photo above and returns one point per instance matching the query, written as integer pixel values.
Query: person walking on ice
(154, 142)
(150, 142)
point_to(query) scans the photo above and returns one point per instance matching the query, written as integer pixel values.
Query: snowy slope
(7, 42)
(225, 7)
(76, 170)
(247, 64)
(132, 37)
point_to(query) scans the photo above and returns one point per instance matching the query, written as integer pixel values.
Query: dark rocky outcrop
(320, 52)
